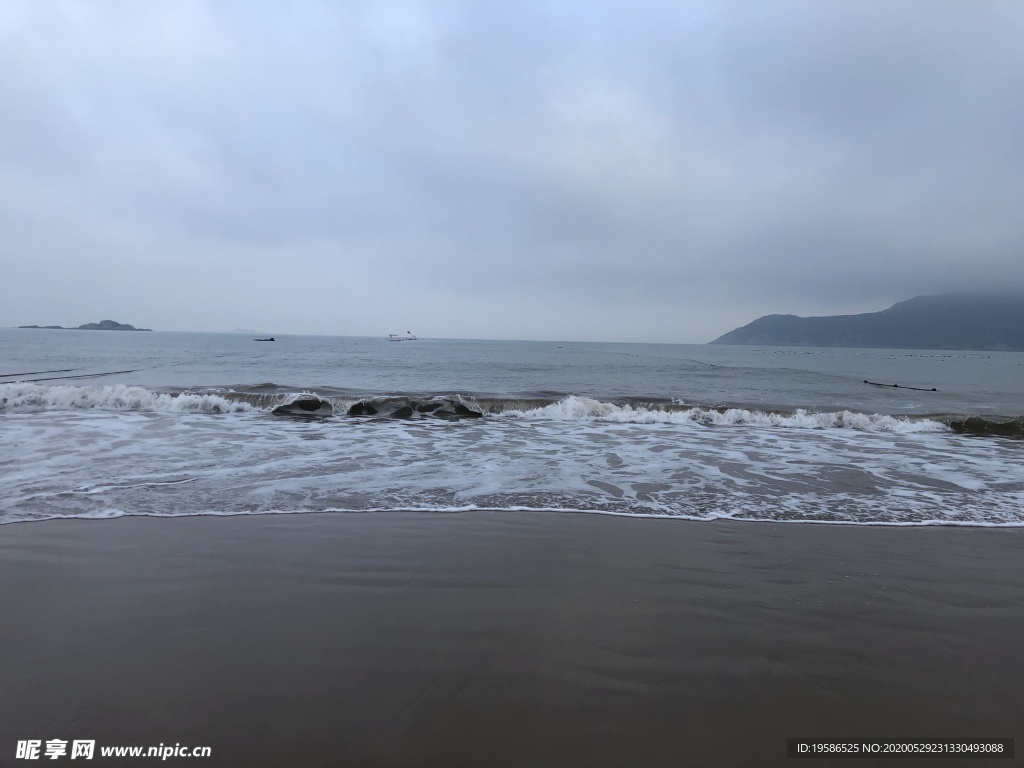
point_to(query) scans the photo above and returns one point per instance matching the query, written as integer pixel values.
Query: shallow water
(699, 432)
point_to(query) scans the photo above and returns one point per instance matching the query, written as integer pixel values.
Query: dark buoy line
(898, 386)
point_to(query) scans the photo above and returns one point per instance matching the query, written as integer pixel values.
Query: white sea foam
(24, 396)
(89, 463)
(575, 408)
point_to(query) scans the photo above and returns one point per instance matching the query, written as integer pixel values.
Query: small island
(102, 325)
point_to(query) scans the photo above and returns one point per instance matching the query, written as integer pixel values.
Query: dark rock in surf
(974, 425)
(362, 409)
(460, 412)
(1007, 428)
(977, 425)
(303, 405)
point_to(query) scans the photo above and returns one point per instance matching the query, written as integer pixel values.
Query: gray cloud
(614, 171)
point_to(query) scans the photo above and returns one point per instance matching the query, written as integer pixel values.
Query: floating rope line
(898, 386)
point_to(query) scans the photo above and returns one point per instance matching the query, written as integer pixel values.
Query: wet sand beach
(506, 639)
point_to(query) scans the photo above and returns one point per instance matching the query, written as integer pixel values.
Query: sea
(102, 424)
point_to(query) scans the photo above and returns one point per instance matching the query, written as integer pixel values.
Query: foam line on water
(576, 408)
(114, 513)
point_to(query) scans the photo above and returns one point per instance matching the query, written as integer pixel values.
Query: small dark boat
(270, 339)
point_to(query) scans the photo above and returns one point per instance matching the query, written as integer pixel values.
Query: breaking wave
(270, 399)
(584, 408)
(29, 397)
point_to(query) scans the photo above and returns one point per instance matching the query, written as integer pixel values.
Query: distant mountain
(102, 325)
(946, 321)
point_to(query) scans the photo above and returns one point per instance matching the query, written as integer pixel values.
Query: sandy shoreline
(505, 639)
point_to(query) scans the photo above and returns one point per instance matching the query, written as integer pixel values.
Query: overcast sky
(636, 171)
